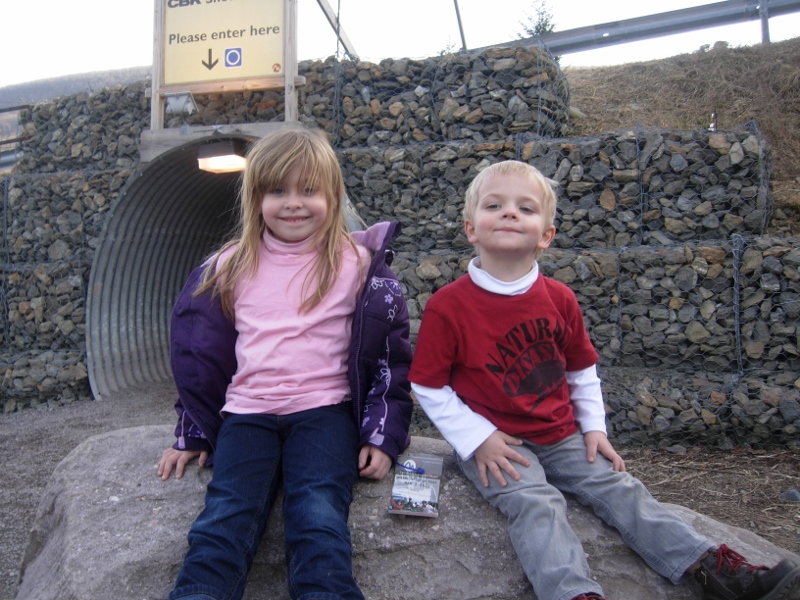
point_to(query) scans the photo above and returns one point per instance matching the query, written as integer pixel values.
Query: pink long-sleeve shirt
(290, 361)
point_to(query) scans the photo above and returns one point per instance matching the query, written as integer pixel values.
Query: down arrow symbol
(211, 62)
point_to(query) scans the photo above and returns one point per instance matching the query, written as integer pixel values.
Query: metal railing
(668, 23)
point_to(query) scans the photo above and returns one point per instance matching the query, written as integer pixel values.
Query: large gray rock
(108, 527)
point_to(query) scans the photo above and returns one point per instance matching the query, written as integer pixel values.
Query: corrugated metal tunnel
(168, 218)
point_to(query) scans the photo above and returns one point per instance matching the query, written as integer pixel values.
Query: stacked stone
(422, 186)
(672, 307)
(81, 151)
(673, 408)
(678, 308)
(764, 407)
(420, 276)
(769, 278)
(53, 223)
(484, 96)
(231, 108)
(655, 187)
(93, 132)
(479, 97)
(692, 391)
(612, 191)
(504, 91)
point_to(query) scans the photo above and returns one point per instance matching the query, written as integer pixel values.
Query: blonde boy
(505, 369)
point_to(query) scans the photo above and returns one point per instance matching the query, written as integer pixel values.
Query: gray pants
(549, 550)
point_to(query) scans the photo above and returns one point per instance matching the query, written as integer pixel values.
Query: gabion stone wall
(51, 226)
(479, 97)
(86, 132)
(660, 233)
(82, 150)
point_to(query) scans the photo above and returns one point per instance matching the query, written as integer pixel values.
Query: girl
(290, 352)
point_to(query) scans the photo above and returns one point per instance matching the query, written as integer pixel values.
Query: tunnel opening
(170, 216)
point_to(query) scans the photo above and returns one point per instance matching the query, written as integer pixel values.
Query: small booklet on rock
(416, 485)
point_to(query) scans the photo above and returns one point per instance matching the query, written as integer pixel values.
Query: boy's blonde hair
(512, 167)
(269, 161)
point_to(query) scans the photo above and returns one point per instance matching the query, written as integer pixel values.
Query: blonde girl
(290, 353)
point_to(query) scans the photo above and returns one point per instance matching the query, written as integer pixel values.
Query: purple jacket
(202, 351)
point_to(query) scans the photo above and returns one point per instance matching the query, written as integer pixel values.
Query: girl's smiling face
(295, 209)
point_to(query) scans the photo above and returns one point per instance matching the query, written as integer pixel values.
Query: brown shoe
(726, 575)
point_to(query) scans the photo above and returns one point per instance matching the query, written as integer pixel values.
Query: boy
(506, 371)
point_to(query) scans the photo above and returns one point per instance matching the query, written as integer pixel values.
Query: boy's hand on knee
(596, 441)
(494, 456)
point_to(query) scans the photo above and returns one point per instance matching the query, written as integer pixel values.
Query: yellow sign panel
(218, 40)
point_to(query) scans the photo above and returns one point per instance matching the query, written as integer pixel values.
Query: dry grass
(760, 83)
(739, 487)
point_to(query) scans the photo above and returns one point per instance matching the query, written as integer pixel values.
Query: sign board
(220, 40)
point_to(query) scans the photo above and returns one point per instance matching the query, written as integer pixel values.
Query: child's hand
(178, 459)
(494, 456)
(373, 462)
(596, 441)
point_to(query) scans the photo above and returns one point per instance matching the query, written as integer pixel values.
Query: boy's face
(509, 220)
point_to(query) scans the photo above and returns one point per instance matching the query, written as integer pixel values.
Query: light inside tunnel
(222, 157)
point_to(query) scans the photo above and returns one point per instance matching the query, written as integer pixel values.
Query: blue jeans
(550, 552)
(315, 454)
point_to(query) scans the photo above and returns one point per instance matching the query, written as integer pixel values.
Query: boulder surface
(108, 527)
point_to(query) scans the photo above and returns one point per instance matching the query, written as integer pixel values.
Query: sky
(50, 38)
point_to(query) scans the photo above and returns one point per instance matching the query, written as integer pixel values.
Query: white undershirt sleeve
(463, 428)
(587, 399)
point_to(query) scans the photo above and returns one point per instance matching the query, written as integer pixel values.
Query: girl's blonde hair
(269, 161)
(513, 167)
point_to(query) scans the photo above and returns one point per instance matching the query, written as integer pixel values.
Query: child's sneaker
(726, 575)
